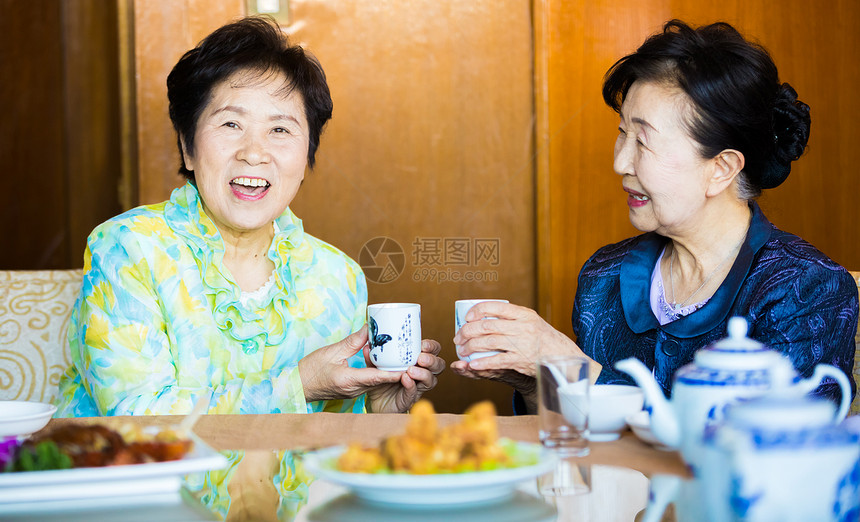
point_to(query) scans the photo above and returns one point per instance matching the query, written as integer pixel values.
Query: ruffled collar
(290, 251)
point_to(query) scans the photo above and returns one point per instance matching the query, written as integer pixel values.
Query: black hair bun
(791, 123)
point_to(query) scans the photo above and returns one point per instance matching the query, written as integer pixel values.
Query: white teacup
(610, 405)
(394, 331)
(461, 308)
(605, 405)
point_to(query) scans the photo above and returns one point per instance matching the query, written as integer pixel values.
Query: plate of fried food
(429, 466)
(83, 465)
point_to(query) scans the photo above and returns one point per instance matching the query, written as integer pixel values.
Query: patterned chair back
(855, 405)
(35, 307)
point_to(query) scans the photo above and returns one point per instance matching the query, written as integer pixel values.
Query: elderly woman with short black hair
(219, 290)
(705, 125)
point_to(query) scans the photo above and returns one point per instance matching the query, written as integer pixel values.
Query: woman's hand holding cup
(326, 373)
(519, 334)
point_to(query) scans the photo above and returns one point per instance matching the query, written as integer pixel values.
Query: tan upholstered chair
(855, 406)
(34, 316)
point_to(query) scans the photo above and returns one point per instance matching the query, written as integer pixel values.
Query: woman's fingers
(499, 310)
(491, 343)
(408, 386)
(462, 369)
(465, 370)
(356, 341)
(430, 346)
(485, 327)
(425, 379)
(505, 362)
(381, 377)
(428, 358)
(436, 365)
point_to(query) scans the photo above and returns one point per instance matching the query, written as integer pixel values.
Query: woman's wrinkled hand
(414, 382)
(326, 375)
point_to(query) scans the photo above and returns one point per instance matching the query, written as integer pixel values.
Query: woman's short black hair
(254, 44)
(737, 99)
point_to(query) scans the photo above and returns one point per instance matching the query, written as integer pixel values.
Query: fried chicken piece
(481, 435)
(424, 449)
(358, 459)
(422, 423)
(479, 423)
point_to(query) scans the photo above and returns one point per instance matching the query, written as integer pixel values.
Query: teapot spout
(664, 491)
(664, 422)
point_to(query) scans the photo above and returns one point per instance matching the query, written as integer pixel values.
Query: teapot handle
(826, 370)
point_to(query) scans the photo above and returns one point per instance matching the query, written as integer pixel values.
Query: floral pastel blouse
(160, 322)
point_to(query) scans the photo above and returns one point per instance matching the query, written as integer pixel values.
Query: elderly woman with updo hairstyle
(705, 124)
(219, 291)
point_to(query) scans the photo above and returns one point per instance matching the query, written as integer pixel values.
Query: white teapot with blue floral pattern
(781, 457)
(733, 368)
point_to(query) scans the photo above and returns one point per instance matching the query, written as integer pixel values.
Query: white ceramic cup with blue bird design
(394, 331)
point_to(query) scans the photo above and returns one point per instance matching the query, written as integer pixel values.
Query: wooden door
(59, 138)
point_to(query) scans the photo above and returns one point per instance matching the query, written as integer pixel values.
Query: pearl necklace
(707, 279)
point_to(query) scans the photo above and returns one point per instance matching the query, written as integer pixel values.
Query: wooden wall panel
(163, 31)
(33, 206)
(583, 205)
(93, 163)
(431, 140)
(814, 45)
(59, 137)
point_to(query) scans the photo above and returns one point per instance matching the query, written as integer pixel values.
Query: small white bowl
(606, 406)
(640, 423)
(19, 418)
(609, 405)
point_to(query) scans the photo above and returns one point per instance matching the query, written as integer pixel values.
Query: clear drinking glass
(571, 476)
(563, 404)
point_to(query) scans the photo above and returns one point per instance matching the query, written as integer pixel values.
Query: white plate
(40, 490)
(400, 489)
(19, 418)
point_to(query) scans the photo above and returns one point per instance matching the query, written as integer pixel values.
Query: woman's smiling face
(250, 151)
(662, 170)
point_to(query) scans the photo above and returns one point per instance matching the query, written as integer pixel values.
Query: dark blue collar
(639, 263)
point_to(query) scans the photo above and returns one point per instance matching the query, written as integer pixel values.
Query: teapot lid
(778, 411)
(784, 407)
(737, 351)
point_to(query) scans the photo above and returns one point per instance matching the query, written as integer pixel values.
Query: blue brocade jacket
(795, 299)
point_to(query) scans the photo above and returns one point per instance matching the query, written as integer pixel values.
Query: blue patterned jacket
(796, 300)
